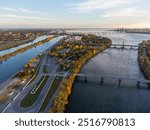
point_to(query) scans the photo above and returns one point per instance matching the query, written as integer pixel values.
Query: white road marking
(16, 96)
(34, 90)
(24, 87)
(6, 108)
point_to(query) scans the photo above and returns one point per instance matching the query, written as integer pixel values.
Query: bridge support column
(123, 45)
(85, 80)
(138, 84)
(119, 82)
(102, 81)
(131, 47)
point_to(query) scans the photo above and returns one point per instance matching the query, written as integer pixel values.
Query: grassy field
(30, 98)
(51, 92)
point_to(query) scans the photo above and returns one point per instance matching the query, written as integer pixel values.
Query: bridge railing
(124, 46)
(102, 78)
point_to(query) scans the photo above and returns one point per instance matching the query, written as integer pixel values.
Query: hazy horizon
(47, 28)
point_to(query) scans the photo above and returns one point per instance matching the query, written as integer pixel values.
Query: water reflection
(21, 46)
(15, 63)
(93, 97)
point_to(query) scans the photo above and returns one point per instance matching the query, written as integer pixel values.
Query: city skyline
(74, 14)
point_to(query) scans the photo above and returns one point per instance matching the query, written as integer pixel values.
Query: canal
(22, 46)
(15, 63)
(109, 97)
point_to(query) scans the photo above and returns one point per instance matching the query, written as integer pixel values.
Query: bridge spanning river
(99, 33)
(125, 46)
(112, 65)
(102, 78)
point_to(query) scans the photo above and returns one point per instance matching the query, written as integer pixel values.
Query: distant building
(7, 33)
(58, 32)
(63, 51)
(29, 34)
(10, 33)
(16, 35)
(78, 38)
(75, 38)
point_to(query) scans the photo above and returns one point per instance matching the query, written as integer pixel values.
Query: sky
(74, 13)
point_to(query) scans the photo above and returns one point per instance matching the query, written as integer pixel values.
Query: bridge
(123, 46)
(102, 77)
(97, 33)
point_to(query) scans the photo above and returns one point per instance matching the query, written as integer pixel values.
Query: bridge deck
(100, 76)
(124, 45)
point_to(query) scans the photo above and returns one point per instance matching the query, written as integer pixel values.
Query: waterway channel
(22, 46)
(15, 63)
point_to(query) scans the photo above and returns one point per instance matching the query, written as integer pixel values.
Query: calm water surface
(21, 46)
(92, 97)
(15, 63)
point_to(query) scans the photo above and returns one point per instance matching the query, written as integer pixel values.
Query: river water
(15, 63)
(109, 97)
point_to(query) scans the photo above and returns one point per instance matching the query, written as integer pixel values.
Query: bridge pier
(102, 81)
(85, 79)
(119, 82)
(123, 45)
(138, 84)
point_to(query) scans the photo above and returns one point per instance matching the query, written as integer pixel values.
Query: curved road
(14, 105)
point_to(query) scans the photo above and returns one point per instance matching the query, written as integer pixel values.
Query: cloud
(91, 5)
(30, 11)
(126, 12)
(21, 10)
(8, 9)
(27, 17)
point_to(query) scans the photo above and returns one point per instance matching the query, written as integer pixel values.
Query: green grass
(44, 70)
(51, 91)
(31, 98)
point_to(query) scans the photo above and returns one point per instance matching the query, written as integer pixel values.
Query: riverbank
(144, 58)
(22, 42)
(16, 37)
(22, 78)
(19, 79)
(79, 54)
(92, 97)
(21, 50)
